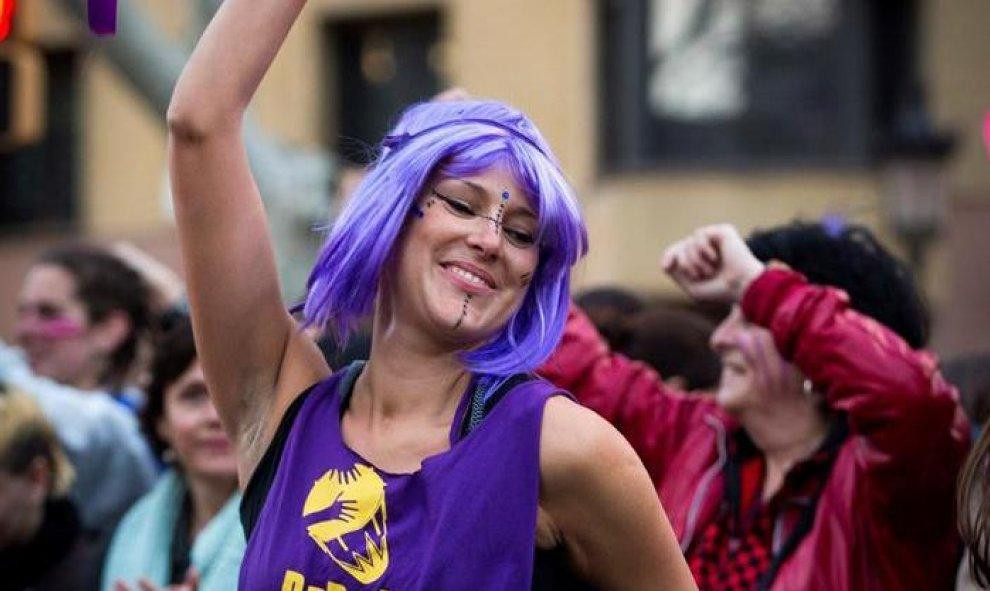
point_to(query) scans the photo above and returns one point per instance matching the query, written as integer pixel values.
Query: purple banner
(103, 16)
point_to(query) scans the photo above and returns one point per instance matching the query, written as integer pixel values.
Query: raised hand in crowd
(713, 263)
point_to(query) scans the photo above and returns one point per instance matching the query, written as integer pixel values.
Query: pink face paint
(773, 374)
(51, 328)
(103, 16)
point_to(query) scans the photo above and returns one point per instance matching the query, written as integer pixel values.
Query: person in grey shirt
(102, 439)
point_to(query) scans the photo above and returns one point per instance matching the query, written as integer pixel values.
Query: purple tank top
(466, 519)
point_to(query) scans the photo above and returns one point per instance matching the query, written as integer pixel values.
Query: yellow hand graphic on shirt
(357, 498)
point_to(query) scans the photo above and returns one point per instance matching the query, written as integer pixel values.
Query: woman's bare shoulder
(577, 444)
(598, 500)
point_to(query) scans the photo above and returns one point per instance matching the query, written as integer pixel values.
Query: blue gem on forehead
(505, 195)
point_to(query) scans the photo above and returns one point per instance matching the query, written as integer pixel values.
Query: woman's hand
(712, 264)
(191, 583)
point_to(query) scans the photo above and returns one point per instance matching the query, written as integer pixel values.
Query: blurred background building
(666, 114)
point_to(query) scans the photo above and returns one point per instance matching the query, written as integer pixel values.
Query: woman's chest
(332, 516)
(396, 448)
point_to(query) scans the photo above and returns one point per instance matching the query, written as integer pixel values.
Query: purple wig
(454, 139)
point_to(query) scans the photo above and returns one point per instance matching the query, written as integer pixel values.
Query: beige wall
(956, 62)
(540, 56)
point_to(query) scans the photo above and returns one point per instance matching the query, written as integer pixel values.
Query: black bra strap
(481, 404)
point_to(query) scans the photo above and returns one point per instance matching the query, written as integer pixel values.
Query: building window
(379, 66)
(39, 178)
(749, 83)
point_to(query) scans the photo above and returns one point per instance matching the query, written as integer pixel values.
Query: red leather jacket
(885, 519)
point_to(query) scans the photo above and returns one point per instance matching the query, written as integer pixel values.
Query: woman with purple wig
(440, 463)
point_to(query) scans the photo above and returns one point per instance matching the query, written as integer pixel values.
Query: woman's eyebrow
(473, 186)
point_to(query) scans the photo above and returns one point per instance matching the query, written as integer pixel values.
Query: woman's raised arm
(254, 359)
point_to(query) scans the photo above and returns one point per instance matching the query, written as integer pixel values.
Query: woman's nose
(485, 237)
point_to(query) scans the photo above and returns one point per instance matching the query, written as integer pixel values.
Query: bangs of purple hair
(453, 139)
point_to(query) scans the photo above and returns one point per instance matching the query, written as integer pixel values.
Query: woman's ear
(113, 330)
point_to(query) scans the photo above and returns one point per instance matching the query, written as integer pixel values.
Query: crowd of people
(439, 413)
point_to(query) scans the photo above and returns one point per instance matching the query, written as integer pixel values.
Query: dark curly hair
(105, 284)
(174, 352)
(850, 258)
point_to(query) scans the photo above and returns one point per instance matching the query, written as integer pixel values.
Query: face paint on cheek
(418, 211)
(464, 310)
(526, 278)
(54, 328)
(773, 375)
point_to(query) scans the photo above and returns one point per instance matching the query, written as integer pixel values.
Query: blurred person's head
(674, 341)
(81, 314)
(849, 258)
(611, 310)
(179, 418)
(33, 468)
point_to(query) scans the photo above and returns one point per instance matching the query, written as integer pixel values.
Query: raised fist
(712, 264)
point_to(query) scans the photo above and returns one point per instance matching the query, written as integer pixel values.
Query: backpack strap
(482, 405)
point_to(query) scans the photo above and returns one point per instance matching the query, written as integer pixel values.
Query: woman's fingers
(701, 257)
(146, 585)
(710, 248)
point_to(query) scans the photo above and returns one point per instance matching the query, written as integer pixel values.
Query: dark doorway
(382, 65)
(38, 182)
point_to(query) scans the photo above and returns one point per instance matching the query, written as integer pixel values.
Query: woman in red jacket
(828, 458)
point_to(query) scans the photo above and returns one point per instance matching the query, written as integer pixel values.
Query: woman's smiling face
(464, 265)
